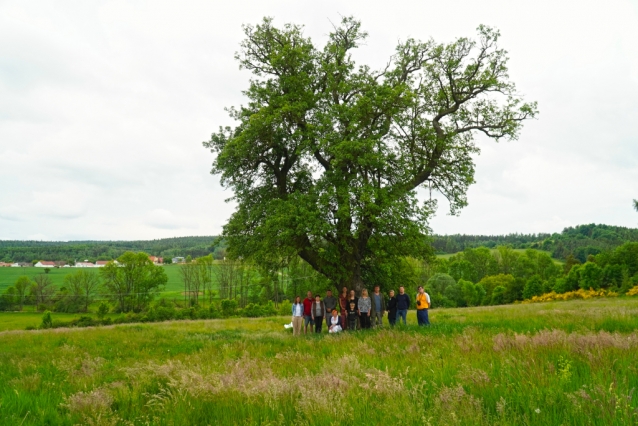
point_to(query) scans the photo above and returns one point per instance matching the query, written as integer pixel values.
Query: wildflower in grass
(537, 411)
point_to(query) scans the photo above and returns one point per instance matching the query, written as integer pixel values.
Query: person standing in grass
(364, 307)
(392, 309)
(334, 322)
(403, 304)
(331, 302)
(355, 299)
(297, 316)
(317, 311)
(343, 306)
(352, 315)
(378, 307)
(422, 306)
(307, 315)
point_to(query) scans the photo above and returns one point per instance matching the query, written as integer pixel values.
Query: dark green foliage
(506, 281)
(9, 299)
(533, 287)
(102, 310)
(591, 276)
(229, 307)
(498, 295)
(47, 322)
(572, 280)
(66, 301)
(437, 287)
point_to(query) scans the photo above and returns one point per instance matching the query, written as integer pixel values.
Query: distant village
(83, 264)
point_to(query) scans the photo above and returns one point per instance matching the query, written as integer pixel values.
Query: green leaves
(327, 156)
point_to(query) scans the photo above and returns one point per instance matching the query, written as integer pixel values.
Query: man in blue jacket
(403, 304)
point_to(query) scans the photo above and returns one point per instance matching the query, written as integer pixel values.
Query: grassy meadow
(556, 363)
(8, 277)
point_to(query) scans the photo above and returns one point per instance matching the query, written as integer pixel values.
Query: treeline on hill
(29, 251)
(579, 241)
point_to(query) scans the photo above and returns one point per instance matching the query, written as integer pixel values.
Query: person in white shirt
(335, 322)
(297, 316)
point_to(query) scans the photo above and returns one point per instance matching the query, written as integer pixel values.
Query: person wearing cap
(422, 306)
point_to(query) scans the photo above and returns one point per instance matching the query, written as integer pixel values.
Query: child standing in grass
(352, 316)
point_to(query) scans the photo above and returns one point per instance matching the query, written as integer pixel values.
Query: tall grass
(557, 363)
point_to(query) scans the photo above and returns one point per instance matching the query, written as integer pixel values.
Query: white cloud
(103, 107)
(164, 219)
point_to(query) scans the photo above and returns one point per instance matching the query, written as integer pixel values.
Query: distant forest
(579, 241)
(28, 251)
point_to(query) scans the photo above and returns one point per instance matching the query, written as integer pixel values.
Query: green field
(569, 363)
(8, 276)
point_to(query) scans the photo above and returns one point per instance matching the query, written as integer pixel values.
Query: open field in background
(553, 363)
(8, 276)
(174, 287)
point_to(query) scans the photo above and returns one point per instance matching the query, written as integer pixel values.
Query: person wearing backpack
(422, 306)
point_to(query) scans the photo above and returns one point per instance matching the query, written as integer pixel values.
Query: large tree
(327, 156)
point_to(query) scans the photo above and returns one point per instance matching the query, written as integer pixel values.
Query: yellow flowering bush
(578, 294)
(633, 291)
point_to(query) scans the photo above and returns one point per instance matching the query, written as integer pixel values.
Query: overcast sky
(104, 106)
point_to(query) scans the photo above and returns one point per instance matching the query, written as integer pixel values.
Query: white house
(101, 263)
(84, 265)
(44, 264)
(178, 260)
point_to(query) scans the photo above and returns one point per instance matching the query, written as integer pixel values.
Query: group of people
(349, 312)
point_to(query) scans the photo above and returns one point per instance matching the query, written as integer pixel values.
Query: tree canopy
(327, 155)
